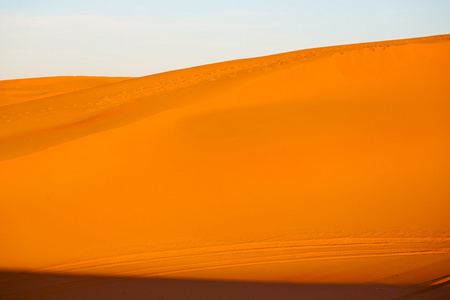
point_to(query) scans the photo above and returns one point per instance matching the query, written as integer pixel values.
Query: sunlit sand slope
(21, 90)
(322, 165)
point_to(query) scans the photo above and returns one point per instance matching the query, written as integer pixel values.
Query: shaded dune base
(326, 165)
(22, 90)
(16, 285)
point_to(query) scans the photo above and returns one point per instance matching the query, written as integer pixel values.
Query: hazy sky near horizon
(135, 37)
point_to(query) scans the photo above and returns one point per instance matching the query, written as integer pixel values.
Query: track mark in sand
(437, 280)
(305, 249)
(178, 269)
(153, 272)
(243, 255)
(428, 287)
(165, 255)
(190, 252)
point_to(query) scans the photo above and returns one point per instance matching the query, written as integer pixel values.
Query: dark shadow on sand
(23, 285)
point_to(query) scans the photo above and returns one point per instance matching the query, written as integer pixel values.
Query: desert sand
(22, 90)
(321, 173)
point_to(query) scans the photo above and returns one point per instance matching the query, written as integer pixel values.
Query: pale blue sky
(136, 37)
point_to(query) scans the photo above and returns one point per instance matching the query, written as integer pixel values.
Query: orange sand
(21, 90)
(327, 165)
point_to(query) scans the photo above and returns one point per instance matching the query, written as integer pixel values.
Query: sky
(41, 38)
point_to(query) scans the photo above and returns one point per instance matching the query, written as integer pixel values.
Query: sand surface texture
(322, 166)
(22, 90)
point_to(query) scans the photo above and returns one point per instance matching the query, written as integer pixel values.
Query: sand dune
(324, 166)
(21, 90)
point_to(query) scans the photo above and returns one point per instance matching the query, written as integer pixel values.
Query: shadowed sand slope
(326, 165)
(21, 90)
(65, 287)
